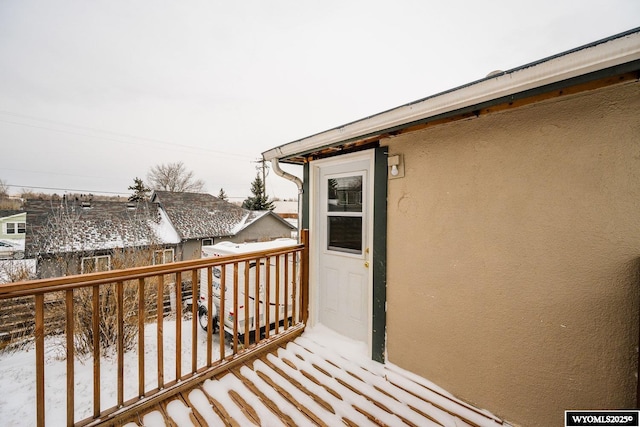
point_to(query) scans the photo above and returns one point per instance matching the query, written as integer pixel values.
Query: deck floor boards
(304, 383)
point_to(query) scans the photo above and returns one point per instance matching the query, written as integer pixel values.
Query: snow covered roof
(76, 225)
(285, 207)
(201, 215)
(600, 60)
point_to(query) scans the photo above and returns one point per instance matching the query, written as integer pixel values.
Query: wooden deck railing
(260, 297)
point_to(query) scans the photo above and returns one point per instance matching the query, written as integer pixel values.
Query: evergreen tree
(259, 201)
(140, 191)
(222, 195)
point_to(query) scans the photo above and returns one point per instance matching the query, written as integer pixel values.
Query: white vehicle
(275, 303)
(11, 250)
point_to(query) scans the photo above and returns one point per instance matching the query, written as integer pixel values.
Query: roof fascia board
(633, 66)
(600, 55)
(14, 216)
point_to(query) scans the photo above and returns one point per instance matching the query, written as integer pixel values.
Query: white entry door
(344, 225)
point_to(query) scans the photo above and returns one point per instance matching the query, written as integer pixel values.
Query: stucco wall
(513, 246)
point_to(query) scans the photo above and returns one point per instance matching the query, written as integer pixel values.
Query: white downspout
(276, 168)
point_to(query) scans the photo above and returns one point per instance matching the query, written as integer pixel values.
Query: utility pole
(262, 164)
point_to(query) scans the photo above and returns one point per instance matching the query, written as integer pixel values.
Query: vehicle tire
(203, 318)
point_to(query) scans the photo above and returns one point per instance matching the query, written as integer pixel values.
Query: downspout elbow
(275, 164)
(276, 168)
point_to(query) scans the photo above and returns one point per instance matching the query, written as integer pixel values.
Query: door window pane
(345, 194)
(344, 234)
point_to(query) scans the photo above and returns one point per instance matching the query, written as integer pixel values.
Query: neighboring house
(288, 210)
(487, 237)
(12, 234)
(13, 225)
(202, 219)
(76, 236)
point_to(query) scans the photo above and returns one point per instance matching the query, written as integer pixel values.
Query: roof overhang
(605, 62)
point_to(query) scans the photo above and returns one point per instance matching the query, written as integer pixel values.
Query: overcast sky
(95, 93)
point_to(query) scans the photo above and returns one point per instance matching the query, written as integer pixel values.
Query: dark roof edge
(289, 150)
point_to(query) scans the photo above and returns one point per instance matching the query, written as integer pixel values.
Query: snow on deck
(320, 378)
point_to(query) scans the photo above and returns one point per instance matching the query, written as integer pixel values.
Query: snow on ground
(17, 376)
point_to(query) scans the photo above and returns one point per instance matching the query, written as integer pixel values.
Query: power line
(52, 173)
(66, 189)
(90, 191)
(122, 135)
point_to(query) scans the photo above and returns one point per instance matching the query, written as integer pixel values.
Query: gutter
(275, 164)
(611, 52)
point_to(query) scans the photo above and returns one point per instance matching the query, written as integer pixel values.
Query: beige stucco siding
(513, 247)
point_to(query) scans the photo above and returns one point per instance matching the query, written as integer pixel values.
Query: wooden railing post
(95, 327)
(120, 342)
(141, 319)
(39, 338)
(69, 332)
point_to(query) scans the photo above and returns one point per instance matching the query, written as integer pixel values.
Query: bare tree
(66, 237)
(5, 201)
(175, 178)
(4, 188)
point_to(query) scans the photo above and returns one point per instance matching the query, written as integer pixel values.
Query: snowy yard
(17, 375)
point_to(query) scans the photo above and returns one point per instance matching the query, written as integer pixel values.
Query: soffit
(609, 61)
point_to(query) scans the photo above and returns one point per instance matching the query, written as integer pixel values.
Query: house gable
(202, 216)
(265, 225)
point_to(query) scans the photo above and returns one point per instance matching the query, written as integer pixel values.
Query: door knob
(366, 264)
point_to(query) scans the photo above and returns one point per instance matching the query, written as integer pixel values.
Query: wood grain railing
(260, 297)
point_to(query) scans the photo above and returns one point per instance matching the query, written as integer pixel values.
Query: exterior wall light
(396, 166)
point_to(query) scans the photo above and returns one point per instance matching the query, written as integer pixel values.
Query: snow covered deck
(320, 378)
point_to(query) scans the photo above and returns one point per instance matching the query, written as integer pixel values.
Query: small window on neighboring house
(163, 257)
(16, 228)
(207, 242)
(95, 263)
